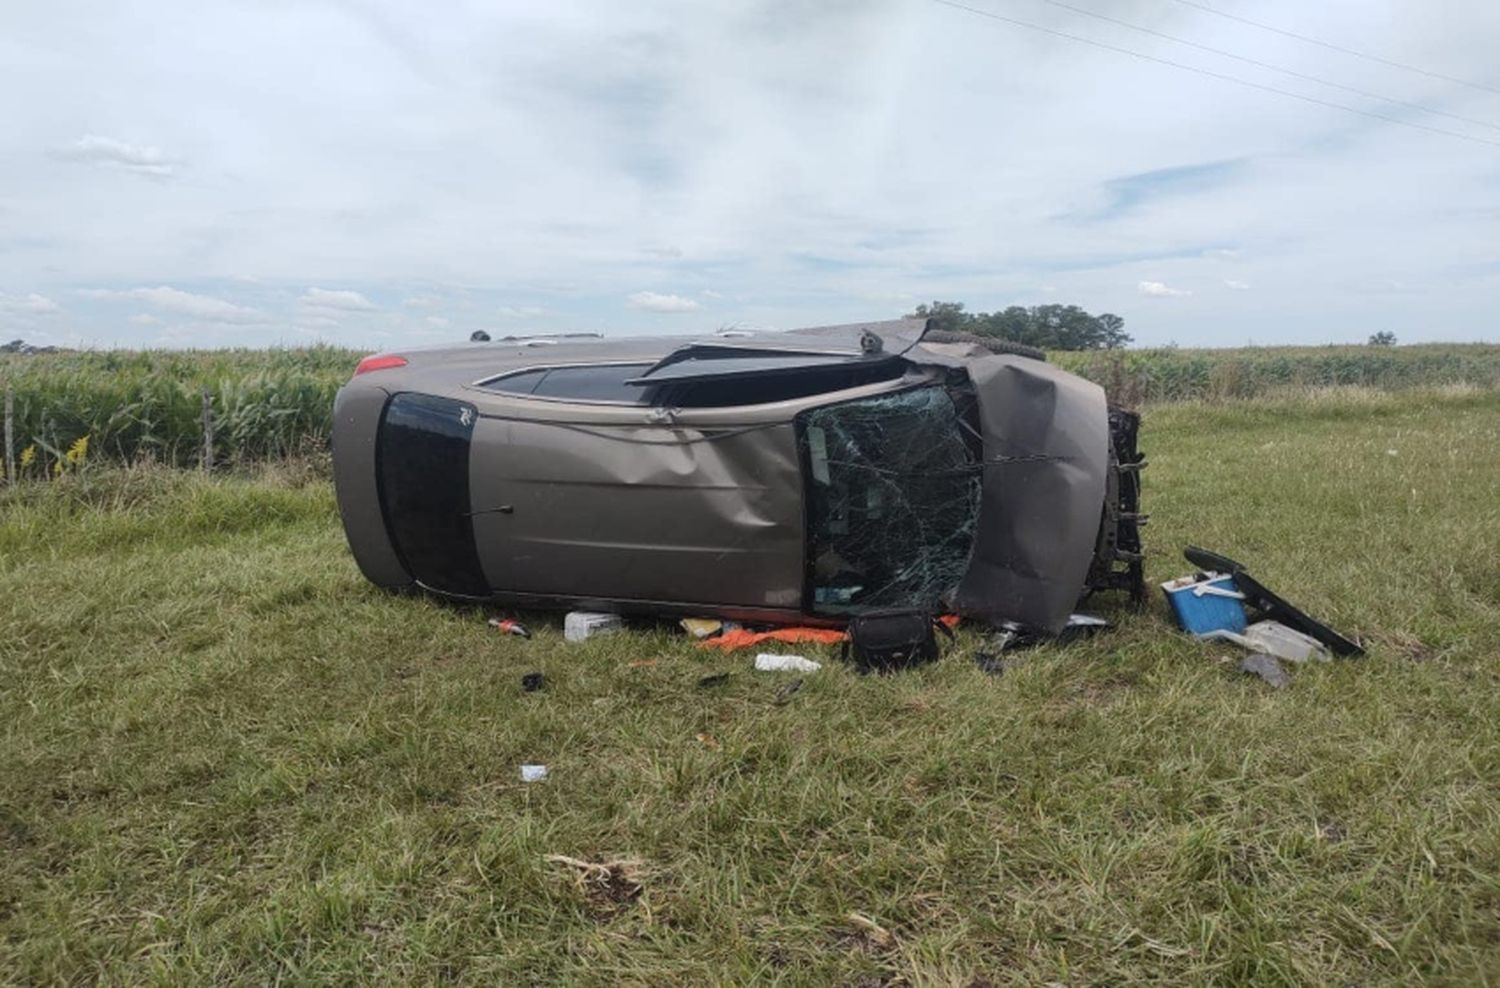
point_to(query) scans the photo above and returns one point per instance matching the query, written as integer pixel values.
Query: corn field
(129, 406)
(148, 405)
(1136, 377)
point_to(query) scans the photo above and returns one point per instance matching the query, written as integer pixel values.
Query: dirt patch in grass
(605, 886)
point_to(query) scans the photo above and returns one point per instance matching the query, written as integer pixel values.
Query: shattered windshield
(893, 500)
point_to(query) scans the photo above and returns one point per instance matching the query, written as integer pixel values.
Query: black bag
(882, 641)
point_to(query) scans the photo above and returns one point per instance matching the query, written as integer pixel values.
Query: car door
(604, 498)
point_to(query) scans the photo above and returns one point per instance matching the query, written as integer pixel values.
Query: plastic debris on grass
(767, 662)
(1275, 639)
(508, 627)
(743, 638)
(706, 627)
(581, 625)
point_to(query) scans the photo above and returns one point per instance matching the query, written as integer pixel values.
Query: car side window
(523, 383)
(581, 382)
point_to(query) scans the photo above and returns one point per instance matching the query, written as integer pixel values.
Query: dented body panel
(1046, 453)
(689, 492)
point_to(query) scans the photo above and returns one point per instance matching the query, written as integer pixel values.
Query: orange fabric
(741, 638)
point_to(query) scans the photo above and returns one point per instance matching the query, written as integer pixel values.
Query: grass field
(228, 759)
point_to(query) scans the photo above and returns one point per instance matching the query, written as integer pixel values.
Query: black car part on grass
(1270, 605)
(884, 641)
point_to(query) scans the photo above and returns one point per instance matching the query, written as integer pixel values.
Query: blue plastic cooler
(1213, 603)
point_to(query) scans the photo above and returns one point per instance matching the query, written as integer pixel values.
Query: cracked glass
(893, 501)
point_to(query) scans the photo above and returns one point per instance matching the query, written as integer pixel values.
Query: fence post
(10, 435)
(207, 459)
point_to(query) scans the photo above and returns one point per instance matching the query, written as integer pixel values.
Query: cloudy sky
(381, 174)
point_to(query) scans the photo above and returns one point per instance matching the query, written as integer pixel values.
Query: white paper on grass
(766, 662)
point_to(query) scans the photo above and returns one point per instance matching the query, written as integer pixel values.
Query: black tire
(993, 344)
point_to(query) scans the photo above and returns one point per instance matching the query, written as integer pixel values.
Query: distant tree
(1383, 338)
(1115, 337)
(1051, 327)
(949, 316)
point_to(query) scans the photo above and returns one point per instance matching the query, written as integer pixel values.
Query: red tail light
(380, 361)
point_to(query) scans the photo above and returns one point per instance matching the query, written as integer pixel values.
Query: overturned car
(805, 477)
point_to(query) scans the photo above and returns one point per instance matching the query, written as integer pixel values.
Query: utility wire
(1267, 65)
(1214, 75)
(1339, 48)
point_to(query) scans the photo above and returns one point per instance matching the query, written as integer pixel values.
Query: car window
(763, 388)
(743, 381)
(583, 382)
(523, 383)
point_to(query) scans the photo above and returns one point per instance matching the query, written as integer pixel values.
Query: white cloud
(342, 300)
(140, 159)
(654, 302)
(1239, 286)
(814, 203)
(437, 322)
(168, 299)
(522, 311)
(31, 305)
(1156, 289)
(710, 293)
(144, 319)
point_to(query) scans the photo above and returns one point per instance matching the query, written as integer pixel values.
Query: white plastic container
(1275, 638)
(579, 625)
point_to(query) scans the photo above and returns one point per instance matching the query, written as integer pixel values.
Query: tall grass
(1148, 376)
(147, 405)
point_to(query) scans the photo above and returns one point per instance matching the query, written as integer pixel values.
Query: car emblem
(466, 417)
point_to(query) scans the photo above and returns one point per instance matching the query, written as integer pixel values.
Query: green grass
(228, 759)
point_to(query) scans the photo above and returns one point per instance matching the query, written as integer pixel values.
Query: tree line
(1047, 327)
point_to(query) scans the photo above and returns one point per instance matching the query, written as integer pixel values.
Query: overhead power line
(1267, 65)
(1223, 76)
(1339, 48)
